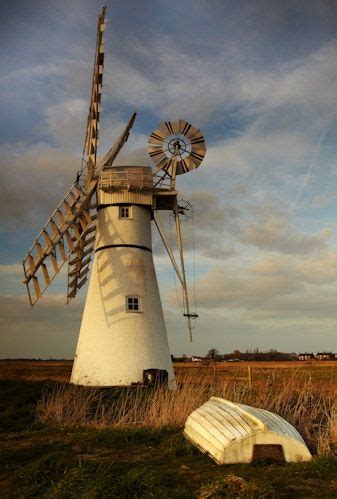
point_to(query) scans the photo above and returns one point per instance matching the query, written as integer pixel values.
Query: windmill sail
(92, 131)
(62, 233)
(80, 257)
(79, 260)
(111, 155)
(70, 232)
(71, 227)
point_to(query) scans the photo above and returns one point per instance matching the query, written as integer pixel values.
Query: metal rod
(181, 253)
(174, 172)
(166, 243)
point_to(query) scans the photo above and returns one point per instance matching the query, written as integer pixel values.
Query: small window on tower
(132, 304)
(124, 212)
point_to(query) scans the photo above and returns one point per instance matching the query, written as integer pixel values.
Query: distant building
(326, 356)
(197, 359)
(306, 356)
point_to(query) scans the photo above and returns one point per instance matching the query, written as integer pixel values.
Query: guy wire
(193, 259)
(174, 274)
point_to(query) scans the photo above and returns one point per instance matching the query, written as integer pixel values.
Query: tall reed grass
(301, 402)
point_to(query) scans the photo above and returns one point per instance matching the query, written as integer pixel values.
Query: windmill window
(132, 304)
(124, 212)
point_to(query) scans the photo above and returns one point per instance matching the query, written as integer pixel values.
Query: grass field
(60, 370)
(40, 457)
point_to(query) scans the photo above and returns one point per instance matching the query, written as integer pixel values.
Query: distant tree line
(237, 355)
(254, 354)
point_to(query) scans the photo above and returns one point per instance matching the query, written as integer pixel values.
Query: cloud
(256, 152)
(214, 223)
(279, 287)
(11, 276)
(310, 307)
(27, 332)
(34, 178)
(12, 269)
(32, 182)
(308, 84)
(65, 122)
(224, 288)
(209, 221)
(301, 87)
(220, 230)
(271, 230)
(320, 201)
(211, 214)
(265, 266)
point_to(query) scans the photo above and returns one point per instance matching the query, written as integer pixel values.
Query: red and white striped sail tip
(177, 141)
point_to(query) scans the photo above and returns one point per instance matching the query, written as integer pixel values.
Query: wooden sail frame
(111, 155)
(80, 257)
(57, 238)
(91, 141)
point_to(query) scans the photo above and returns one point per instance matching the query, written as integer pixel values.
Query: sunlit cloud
(264, 201)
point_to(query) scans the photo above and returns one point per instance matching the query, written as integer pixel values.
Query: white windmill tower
(108, 212)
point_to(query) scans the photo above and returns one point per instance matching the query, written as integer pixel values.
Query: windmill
(107, 214)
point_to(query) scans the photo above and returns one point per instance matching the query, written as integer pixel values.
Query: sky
(259, 78)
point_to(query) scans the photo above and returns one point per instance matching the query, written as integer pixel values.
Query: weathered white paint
(228, 432)
(114, 345)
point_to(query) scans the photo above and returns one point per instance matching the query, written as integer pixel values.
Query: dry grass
(36, 370)
(299, 400)
(60, 370)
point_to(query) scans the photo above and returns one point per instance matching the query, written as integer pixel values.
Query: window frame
(132, 310)
(120, 212)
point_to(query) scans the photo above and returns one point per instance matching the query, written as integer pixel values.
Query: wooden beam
(46, 274)
(37, 288)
